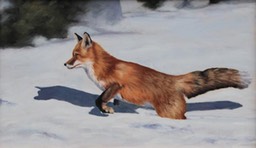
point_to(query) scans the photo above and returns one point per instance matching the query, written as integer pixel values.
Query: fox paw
(107, 109)
(103, 107)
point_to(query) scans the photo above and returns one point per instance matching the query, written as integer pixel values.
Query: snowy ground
(45, 105)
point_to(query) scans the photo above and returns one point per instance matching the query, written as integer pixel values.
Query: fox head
(80, 52)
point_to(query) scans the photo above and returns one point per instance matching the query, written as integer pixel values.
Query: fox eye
(76, 54)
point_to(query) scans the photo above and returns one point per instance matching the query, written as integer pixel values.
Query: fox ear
(78, 38)
(87, 41)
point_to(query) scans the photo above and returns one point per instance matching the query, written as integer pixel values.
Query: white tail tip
(245, 78)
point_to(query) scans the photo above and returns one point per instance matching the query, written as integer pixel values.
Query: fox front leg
(107, 95)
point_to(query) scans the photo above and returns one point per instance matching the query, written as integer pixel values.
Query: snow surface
(43, 104)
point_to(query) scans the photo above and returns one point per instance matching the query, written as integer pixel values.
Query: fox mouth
(71, 66)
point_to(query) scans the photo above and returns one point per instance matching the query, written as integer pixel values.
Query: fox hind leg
(173, 109)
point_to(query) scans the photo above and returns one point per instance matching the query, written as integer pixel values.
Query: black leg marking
(116, 102)
(107, 95)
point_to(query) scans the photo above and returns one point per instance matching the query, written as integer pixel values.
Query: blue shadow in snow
(216, 105)
(84, 99)
(79, 98)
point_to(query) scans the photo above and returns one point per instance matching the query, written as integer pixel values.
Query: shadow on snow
(80, 98)
(84, 99)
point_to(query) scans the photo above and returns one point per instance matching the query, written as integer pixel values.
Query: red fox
(139, 85)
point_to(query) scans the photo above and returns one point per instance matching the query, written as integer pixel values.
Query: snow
(43, 104)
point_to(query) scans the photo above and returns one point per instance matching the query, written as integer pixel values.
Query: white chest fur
(89, 69)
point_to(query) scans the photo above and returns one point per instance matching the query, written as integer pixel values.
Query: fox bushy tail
(199, 82)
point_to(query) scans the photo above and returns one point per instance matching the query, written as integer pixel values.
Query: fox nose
(65, 64)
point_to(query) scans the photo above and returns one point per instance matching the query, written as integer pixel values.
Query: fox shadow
(80, 98)
(84, 99)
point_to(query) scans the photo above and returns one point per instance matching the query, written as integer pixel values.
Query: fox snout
(68, 66)
(73, 63)
(65, 64)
